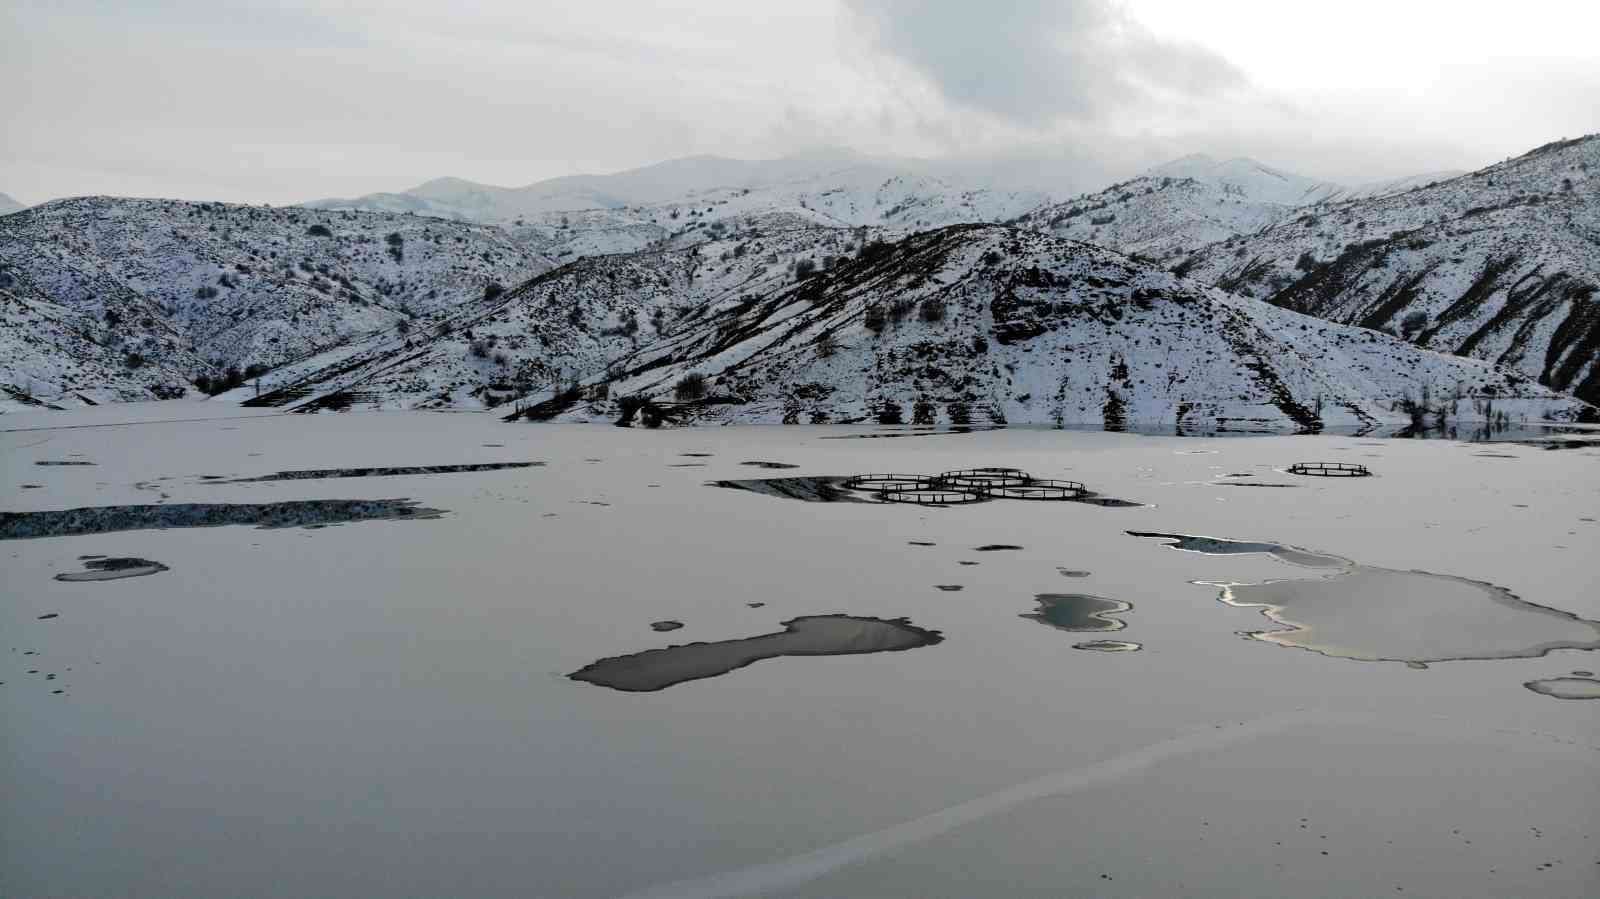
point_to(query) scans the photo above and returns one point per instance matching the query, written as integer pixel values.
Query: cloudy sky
(290, 100)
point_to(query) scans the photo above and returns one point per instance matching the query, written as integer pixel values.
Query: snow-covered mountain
(629, 211)
(966, 323)
(1178, 207)
(1502, 264)
(9, 205)
(200, 287)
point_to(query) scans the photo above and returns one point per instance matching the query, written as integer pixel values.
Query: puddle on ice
(1109, 646)
(811, 635)
(811, 490)
(1566, 687)
(996, 547)
(1068, 572)
(1079, 612)
(664, 626)
(384, 472)
(299, 513)
(1375, 614)
(103, 569)
(950, 588)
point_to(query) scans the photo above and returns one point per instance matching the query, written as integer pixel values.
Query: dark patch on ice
(688, 465)
(761, 464)
(1374, 614)
(812, 635)
(665, 625)
(995, 547)
(1067, 572)
(755, 605)
(1496, 456)
(32, 486)
(495, 445)
(950, 588)
(48, 615)
(811, 490)
(84, 558)
(966, 563)
(1079, 612)
(62, 462)
(1251, 484)
(104, 569)
(1109, 502)
(1109, 646)
(317, 474)
(297, 513)
(918, 432)
(920, 543)
(1566, 687)
(697, 455)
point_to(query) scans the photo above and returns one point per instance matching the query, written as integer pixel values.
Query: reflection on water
(299, 513)
(1079, 612)
(1368, 613)
(811, 635)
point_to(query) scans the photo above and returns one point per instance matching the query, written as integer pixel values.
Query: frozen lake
(292, 697)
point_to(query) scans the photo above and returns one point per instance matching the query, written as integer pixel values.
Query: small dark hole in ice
(964, 562)
(762, 464)
(62, 462)
(1068, 572)
(812, 635)
(1079, 612)
(949, 588)
(755, 605)
(101, 568)
(920, 543)
(1109, 646)
(49, 615)
(697, 455)
(665, 625)
(996, 547)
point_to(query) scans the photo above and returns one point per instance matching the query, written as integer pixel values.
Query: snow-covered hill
(567, 324)
(248, 286)
(1502, 264)
(993, 323)
(9, 205)
(53, 355)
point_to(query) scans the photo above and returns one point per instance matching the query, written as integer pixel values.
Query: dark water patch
(1214, 546)
(755, 605)
(757, 463)
(996, 547)
(1566, 687)
(1109, 646)
(104, 569)
(495, 445)
(86, 558)
(1109, 502)
(950, 588)
(811, 490)
(1583, 674)
(665, 625)
(48, 615)
(318, 474)
(1068, 572)
(298, 513)
(688, 465)
(1367, 613)
(964, 562)
(1079, 612)
(32, 486)
(920, 543)
(697, 455)
(917, 432)
(812, 635)
(62, 462)
(1496, 456)
(1251, 484)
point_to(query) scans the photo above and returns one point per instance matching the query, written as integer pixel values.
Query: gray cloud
(1042, 60)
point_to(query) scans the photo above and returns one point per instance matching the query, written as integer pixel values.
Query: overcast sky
(292, 100)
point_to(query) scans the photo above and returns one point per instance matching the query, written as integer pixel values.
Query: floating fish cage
(966, 485)
(1330, 470)
(932, 496)
(1038, 489)
(890, 483)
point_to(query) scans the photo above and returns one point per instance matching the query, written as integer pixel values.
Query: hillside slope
(246, 285)
(993, 323)
(9, 205)
(1502, 264)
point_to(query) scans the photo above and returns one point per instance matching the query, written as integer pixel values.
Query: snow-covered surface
(987, 323)
(1502, 264)
(381, 708)
(242, 285)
